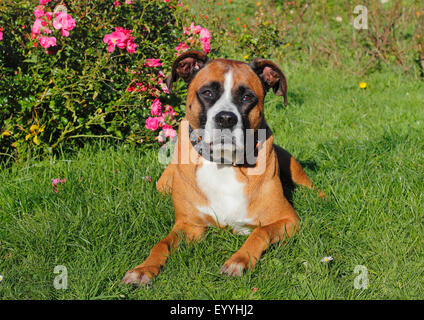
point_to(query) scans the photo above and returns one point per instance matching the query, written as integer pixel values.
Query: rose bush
(71, 70)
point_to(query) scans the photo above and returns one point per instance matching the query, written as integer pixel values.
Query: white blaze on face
(232, 138)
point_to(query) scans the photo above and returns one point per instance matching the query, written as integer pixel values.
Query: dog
(212, 177)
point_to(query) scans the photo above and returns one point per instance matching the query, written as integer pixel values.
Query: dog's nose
(226, 119)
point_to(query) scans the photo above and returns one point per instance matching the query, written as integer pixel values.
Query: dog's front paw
(236, 265)
(139, 276)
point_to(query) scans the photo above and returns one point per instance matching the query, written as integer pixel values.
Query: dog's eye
(247, 98)
(207, 93)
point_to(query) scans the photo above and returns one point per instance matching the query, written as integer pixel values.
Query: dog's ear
(186, 66)
(271, 76)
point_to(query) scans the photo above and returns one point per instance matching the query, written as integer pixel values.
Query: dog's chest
(227, 200)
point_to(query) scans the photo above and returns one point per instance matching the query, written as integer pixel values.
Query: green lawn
(364, 148)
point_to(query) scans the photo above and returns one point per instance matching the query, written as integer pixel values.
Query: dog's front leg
(261, 237)
(144, 273)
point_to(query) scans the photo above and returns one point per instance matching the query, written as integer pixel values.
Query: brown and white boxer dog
(210, 178)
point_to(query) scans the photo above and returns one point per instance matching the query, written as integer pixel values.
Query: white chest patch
(227, 201)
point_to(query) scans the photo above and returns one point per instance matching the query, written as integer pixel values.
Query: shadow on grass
(289, 186)
(310, 164)
(288, 166)
(294, 99)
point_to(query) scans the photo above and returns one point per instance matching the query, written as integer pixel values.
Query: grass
(364, 148)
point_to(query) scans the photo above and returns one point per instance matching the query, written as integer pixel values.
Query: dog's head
(225, 98)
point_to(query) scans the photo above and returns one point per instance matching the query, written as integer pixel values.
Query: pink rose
(206, 47)
(131, 46)
(40, 26)
(120, 38)
(156, 109)
(47, 42)
(195, 29)
(181, 47)
(116, 3)
(153, 63)
(36, 26)
(39, 12)
(165, 115)
(169, 131)
(65, 22)
(44, 1)
(186, 31)
(170, 111)
(152, 123)
(204, 35)
(115, 39)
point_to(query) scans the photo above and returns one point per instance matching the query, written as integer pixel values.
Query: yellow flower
(246, 56)
(99, 111)
(36, 140)
(33, 128)
(27, 136)
(6, 133)
(363, 85)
